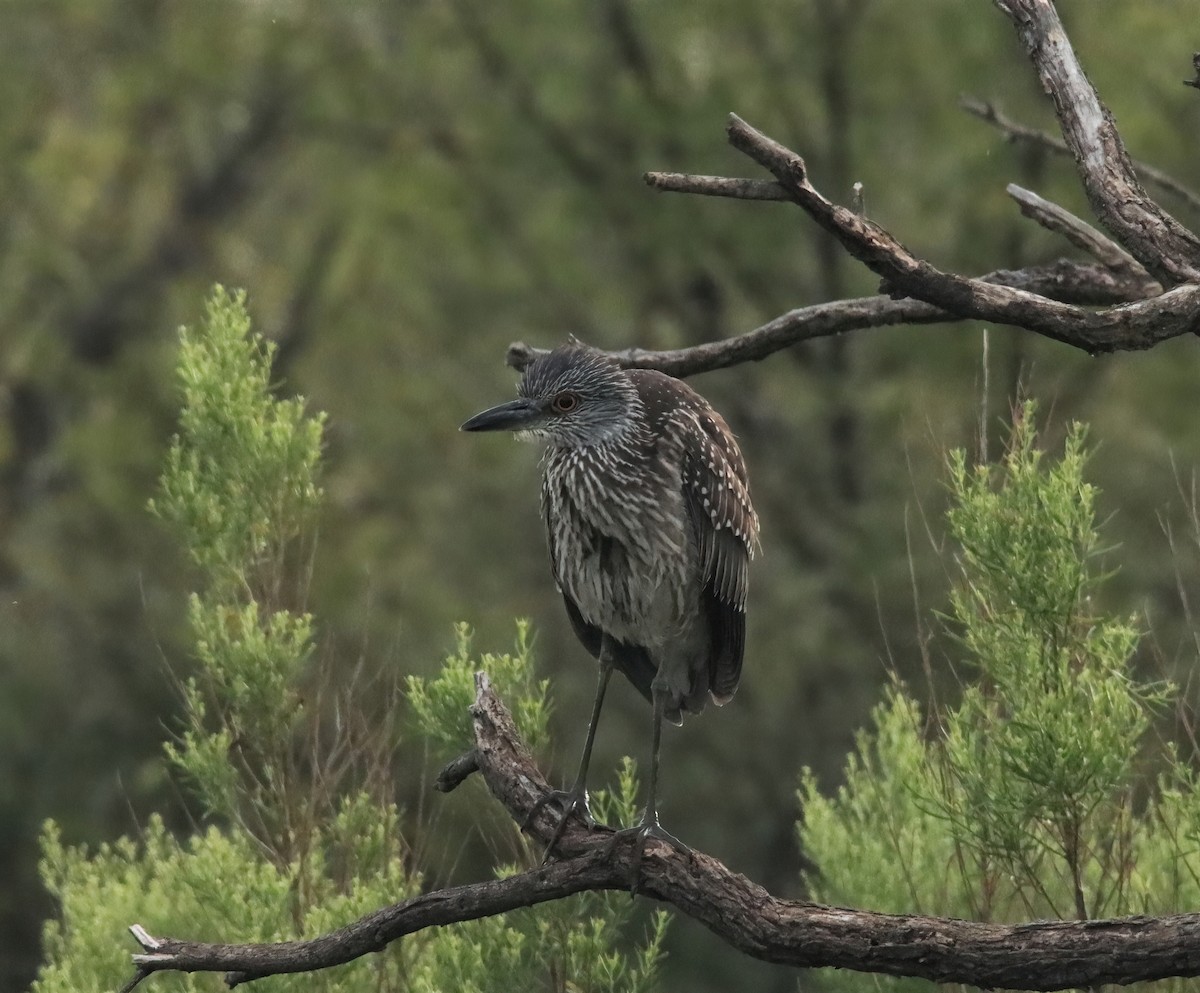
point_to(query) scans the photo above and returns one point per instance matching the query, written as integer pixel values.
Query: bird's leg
(649, 826)
(650, 815)
(576, 797)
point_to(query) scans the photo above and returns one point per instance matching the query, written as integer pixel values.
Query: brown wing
(717, 495)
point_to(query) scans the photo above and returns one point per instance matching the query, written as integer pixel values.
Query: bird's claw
(572, 802)
(649, 828)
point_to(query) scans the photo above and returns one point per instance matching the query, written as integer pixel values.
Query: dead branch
(1071, 282)
(1043, 955)
(716, 186)
(1076, 230)
(1149, 249)
(1127, 326)
(1164, 246)
(1014, 131)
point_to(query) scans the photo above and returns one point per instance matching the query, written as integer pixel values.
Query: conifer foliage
(1021, 801)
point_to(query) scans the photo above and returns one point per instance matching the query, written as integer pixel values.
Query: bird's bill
(516, 415)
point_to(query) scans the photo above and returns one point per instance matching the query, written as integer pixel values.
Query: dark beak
(512, 416)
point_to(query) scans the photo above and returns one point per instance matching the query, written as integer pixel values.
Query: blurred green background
(406, 187)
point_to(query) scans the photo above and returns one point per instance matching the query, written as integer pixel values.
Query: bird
(650, 528)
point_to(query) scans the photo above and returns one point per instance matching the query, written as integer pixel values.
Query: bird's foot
(648, 829)
(572, 802)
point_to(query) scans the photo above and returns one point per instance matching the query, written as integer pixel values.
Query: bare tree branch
(1073, 282)
(1086, 284)
(1015, 131)
(804, 324)
(1053, 300)
(1164, 246)
(1128, 326)
(716, 186)
(1044, 955)
(1077, 231)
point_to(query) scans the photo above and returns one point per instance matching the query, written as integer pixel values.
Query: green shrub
(1019, 801)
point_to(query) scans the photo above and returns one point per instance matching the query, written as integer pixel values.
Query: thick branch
(1164, 246)
(1044, 955)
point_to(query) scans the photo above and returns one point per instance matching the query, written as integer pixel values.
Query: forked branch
(1164, 246)
(1044, 955)
(1126, 326)
(1147, 250)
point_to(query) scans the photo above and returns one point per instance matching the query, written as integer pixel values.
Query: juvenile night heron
(651, 529)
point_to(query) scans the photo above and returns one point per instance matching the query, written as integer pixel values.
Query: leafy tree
(294, 781)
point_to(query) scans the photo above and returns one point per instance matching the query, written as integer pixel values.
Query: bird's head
(571, 397)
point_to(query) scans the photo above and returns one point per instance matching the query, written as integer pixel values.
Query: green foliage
(882, 815)
(618, 806)
(240, 481)
(216, 885)
(1051, 733)
(441, 705)
(1017, 802)
(240, 488)
(304, 833)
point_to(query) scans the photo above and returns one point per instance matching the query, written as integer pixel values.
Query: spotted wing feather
(718, 500)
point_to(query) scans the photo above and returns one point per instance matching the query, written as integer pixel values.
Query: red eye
(565, 402)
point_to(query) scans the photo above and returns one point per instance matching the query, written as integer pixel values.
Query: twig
(132, 983)
(858, 201)
(451, 777)
(1014, 131)
(1038, 956)
(716, 186)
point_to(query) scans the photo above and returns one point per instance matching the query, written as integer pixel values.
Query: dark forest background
(404, 188)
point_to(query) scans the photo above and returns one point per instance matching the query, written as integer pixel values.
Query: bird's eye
(565, 402)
